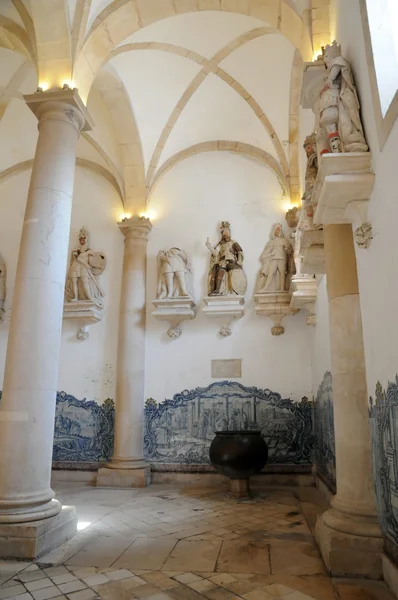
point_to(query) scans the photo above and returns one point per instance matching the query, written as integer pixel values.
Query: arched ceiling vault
(75, 39)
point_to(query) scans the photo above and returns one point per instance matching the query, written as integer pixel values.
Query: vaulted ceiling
(163, 79)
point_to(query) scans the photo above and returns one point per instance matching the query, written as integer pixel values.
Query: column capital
(65, 105)
(136, 227)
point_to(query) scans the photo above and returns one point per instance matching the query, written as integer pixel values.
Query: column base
(347, 554)
(390, 574)
(124, 474)
(32, 540)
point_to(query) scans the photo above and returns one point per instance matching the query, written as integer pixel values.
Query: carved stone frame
(384, 124)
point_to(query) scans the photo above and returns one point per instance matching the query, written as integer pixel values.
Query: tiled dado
(325, 453)
(179, 431)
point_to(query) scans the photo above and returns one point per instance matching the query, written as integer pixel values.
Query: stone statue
(3, 277)
(311, 172)
(292, 217)
(277, 269)
(85, 268)
(226, 274)
(173, 269)
(340, 128)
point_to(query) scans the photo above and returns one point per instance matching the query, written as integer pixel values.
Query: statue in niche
(339, 119)
(85, 268)
(173, 270)
(226, 274)
(3, 277)
(277, 264)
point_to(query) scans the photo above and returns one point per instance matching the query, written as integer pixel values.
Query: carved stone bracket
(275, 305)
(85, 313)
(342, 191)
(226, 309)
(305, 292)
(174, 311)
(312, 252)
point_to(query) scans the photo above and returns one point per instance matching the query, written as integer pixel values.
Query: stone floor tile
(242, 556)
(119, 574)
(39, 584)
(221, 594)
(144, 591)
(159, 579)
(102, 552)
(72, 586)
(146, 553)
(12, 590)
(96, 579)
(222, 579)
(299, 559)
(25, 596)
(353, 589)
(82, 595)
(54, 571)
(258, 595)
(278, 590)
(193, 556)
(187, 578)
(298, 596)
(32, 576)
(82, 572)
(202, 586)
(46, 594)
(63, 578)
(160, 596)
(14, 566)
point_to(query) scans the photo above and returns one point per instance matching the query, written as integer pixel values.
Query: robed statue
(226, 274)
(277, 264)
(85, 268)
(173, 270)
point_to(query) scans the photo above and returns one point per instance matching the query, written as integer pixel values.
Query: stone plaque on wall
(224, 369)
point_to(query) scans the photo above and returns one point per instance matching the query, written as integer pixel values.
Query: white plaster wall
(377, 266)
(320, 359)
(188, 205)
(87, 369)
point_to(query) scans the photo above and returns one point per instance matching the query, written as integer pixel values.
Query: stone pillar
(127, 467)
(348, 533)
(31, 521)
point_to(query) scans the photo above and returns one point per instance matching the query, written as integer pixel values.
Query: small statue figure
(277, 268)
(292, 217)
(311, 172)
(173, 268)
(3, 277)
(226, 274)
(339, 119)
(85, 268)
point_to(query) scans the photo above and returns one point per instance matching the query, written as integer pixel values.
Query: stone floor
(184, 543)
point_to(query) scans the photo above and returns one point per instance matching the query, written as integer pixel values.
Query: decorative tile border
(383, 413)
(325, 454)
(180, 430)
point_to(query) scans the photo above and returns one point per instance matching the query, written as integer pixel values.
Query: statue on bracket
(3, 277)
(277, 267)
(85, 268)
(226, 274)
(173, 270)
(340, 127)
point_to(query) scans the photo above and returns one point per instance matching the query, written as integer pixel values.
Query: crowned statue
(226, 274)
(173, 270)
(340, 127)
(277, 267)
(85, 268)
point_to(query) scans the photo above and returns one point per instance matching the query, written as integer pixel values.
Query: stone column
(31, 371)
(127, 467)
(348, 533)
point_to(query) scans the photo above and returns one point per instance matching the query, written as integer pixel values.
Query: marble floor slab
(169, 542)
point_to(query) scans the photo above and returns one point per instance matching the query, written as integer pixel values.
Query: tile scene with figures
(176, 542)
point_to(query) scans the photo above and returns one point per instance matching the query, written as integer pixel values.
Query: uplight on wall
(125, 217)
(149, 214)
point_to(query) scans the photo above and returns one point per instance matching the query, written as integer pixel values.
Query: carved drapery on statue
(340, 127)
(174, 270)
(226, 275)
(85, 268)
(277, 264)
